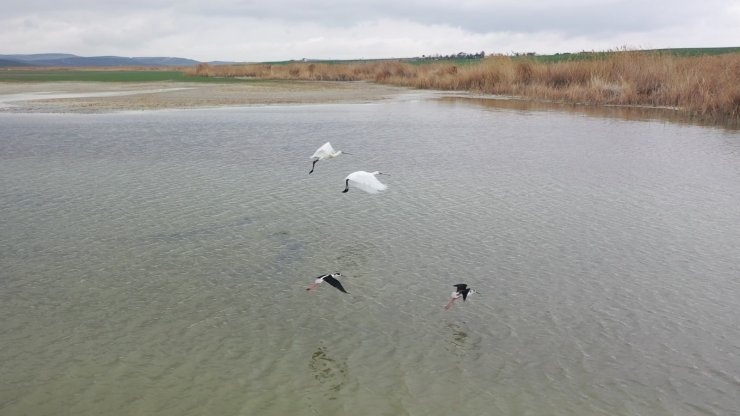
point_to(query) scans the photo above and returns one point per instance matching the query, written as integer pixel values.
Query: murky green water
(156, 263)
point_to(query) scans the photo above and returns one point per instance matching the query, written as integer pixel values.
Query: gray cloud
(569, 16)
(287, 29)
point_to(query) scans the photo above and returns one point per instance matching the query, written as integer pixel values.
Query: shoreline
(89, 97)
(103, 97)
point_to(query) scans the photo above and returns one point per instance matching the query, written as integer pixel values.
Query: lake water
(155, 263)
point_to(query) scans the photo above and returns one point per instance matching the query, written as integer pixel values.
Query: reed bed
(705, 87)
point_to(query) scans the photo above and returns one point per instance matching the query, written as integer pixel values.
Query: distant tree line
(459, 55)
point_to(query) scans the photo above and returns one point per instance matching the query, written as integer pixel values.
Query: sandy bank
(93, 97)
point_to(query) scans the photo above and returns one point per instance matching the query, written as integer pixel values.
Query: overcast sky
(267, 30)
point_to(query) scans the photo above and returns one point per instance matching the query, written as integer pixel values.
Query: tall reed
(707, 87)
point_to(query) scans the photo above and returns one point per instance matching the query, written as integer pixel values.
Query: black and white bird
(328, 278)
(462, 291)
(366, 181)
(324, 152)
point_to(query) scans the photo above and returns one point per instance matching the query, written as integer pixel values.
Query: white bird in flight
(462, 291)
(366, 181)
(324, 152)
(328, 278)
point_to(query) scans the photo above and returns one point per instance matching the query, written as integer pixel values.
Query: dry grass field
(703, 87)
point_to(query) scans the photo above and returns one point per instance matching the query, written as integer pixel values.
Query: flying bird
(328, 278)
(462, 291)
(324, 152)
(366, 181)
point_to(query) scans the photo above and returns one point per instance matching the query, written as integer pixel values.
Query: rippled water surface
(155, 263)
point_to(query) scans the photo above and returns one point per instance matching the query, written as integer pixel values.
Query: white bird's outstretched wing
(323, 152)
(367, 182)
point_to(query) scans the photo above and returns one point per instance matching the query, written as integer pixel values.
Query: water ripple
(156, 263)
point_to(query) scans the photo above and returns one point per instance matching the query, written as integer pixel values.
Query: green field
(133, 75)
(584, 56)
(558, 57)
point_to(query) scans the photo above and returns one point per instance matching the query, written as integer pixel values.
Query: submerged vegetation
(705, 86)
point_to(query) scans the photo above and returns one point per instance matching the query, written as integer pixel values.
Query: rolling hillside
(68, 60)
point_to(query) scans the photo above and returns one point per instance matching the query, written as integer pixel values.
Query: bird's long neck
(346, 185)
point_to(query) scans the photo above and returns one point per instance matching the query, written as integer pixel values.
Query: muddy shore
(94, 97)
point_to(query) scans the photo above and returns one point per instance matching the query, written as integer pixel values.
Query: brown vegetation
(707, 87)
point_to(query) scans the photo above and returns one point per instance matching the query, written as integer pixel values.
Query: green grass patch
(412, 61)
(450, 61)
(590, 56)
(698, 51)
(38, 75)
(565, 57)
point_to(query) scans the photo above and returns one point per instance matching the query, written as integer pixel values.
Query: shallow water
(156, 263)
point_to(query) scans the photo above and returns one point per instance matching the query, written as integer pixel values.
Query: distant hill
(69, 60)
(10, 62)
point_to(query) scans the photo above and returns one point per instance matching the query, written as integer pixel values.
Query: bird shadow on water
(352, 257)
(462, 341)
(331, 374)
(289, 252)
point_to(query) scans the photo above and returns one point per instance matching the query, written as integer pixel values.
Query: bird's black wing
(465, 294)
(334, 282)
(460, 286)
